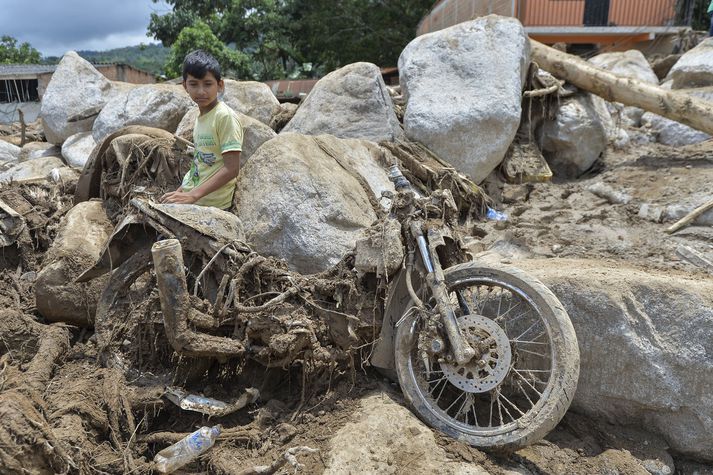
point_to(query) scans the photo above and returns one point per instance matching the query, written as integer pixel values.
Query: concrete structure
(23, 85)
(618, 23)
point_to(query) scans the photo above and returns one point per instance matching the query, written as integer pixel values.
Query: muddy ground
(81, 417)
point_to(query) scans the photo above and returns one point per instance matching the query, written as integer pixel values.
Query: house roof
(13, 70)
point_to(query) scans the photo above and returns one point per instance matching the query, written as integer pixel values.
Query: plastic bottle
(187, 449)
(399, 180)
(494, 215)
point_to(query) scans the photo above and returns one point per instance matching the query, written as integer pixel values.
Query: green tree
(283, 37)
(200, 36)
(11, 52)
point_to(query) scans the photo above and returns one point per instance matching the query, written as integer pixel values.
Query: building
(617, 24)
(23, 85)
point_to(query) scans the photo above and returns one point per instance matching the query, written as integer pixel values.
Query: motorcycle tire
(508, 366)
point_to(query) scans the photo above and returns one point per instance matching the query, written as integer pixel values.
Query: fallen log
(680, 107)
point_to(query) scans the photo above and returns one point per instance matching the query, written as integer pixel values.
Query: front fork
(462, 351)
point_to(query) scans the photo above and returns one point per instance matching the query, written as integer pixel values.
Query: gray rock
(255, 133)
(576, 138)
(77, 148)
(463, 87)
(38, 150)
(157, 105)
(645, 344)
(75, 87)
(351, 102)
(29, 170)
(79, 243)
(670, 132)
(301, 198)
(9, 152)
(251, 98)
(629, 64)
(695, 68)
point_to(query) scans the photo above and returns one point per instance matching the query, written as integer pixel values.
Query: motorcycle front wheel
(524, 375)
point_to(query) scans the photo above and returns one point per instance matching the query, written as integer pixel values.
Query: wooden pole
(680, 107)
(690, 217)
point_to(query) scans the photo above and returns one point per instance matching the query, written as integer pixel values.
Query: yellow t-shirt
(215, 133)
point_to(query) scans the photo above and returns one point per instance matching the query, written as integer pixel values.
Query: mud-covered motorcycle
(486, 354)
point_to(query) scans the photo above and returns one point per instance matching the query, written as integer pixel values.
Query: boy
(217, 137)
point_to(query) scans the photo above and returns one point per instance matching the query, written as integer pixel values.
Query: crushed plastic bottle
(187, 449)
(494, 215)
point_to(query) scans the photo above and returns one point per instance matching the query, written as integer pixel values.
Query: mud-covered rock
(9, 152)
(384, 437)
(75, 87)
(157, 105)
(351, 102)
(255, 133)
(251, 98)
(308, 199)
(577, 137)
(77, 148)
(29, 170)
(695, 68)
(463, 87)
(79, 243)
(33, 150)
(645, 340)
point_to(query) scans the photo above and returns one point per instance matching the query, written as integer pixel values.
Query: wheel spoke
(528, 382)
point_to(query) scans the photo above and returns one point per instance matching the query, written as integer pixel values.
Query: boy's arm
(230, 170)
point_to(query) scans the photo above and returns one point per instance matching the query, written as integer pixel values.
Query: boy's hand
(179, 197)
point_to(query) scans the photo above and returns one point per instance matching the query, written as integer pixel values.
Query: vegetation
(297, 38)
(12, 53)
(200, 36)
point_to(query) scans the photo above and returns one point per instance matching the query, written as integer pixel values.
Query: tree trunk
(684, 108)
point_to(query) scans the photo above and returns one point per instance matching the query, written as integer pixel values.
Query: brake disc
(492, 360)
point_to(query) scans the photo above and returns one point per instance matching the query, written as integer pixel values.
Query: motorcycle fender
(130, 235)
(398, 301)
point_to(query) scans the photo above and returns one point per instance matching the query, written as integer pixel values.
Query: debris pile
(277, 303)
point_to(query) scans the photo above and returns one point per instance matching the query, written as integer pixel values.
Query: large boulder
(308, 199)
(31, 170)
(645, 342)
(255, 133)
(670, 132)
(156, 105)
(77, 148)
(579, 134)
(76, 86)
(463, 87)
(351, 102)
(9, 152)
(695, 68)
(79, 243)
(629, 64)
(254, 99)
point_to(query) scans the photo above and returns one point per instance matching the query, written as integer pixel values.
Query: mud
(68, 406)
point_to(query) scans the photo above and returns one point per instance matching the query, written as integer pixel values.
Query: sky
(56, 26)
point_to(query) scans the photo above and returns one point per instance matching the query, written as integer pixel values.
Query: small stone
(414, 430)
(557, 248)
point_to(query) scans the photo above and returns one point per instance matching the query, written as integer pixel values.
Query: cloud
(54, 27)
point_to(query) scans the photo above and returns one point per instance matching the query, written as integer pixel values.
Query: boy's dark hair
(198, 63)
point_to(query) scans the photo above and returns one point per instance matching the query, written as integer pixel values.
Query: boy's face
(204, 91)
